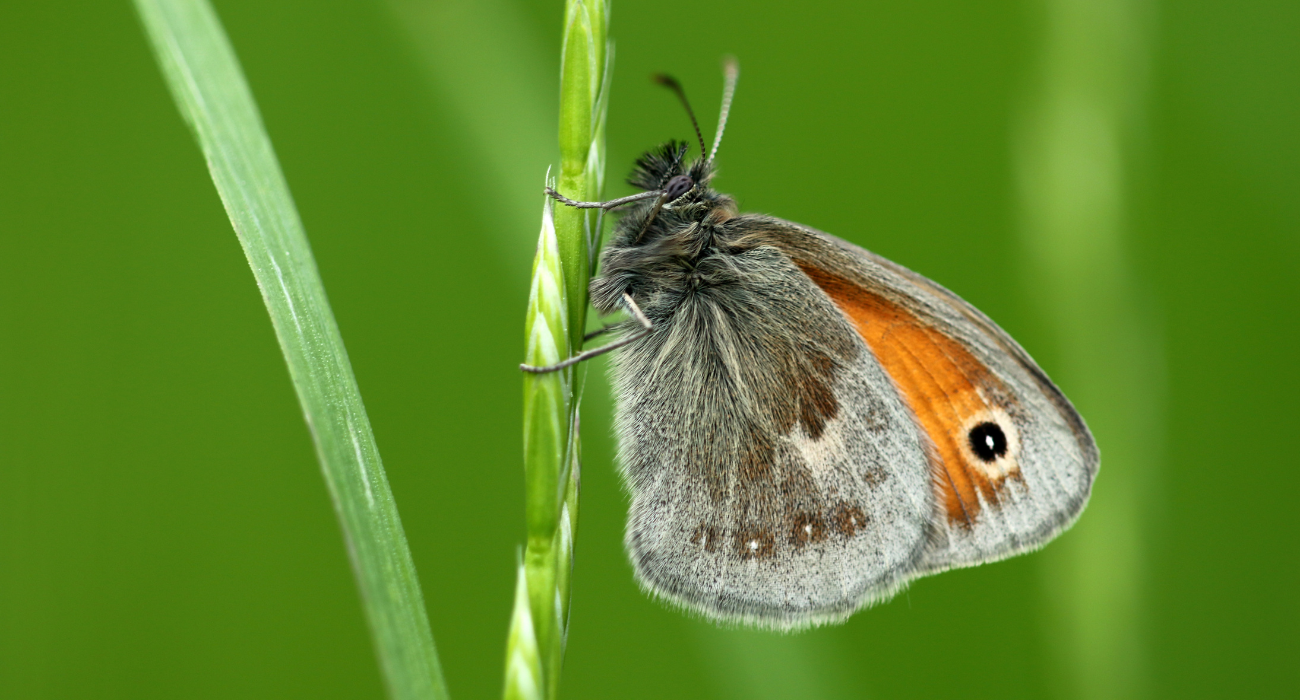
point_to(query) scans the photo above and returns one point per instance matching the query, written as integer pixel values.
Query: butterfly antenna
(671, 83)
(731, 71)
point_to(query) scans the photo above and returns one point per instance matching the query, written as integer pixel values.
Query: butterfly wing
(777, 478)
(1012, 461)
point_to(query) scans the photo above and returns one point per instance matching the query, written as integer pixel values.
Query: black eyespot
(987, 441)
(679, 186)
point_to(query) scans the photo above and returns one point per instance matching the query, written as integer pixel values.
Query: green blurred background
(1114, 181)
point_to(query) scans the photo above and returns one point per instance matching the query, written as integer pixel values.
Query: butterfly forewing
(1012, 461)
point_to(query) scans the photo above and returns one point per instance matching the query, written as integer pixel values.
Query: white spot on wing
(820, 454)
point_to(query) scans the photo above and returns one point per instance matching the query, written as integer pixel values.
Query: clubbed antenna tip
(671, 83)
(731, 73)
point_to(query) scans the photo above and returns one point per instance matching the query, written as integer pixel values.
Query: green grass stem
(206, 81)
(554, 325)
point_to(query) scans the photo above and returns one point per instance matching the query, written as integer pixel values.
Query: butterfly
(805, 426)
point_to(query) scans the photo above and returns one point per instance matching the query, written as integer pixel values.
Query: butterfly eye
(678, 186)
(988, 442)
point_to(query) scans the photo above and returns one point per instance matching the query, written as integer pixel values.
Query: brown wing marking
(946, 387)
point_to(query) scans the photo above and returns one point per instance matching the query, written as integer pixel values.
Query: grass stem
(554, 327)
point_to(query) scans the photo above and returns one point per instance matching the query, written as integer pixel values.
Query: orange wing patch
(950, 392)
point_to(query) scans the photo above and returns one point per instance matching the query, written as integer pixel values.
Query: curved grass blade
(206, 81)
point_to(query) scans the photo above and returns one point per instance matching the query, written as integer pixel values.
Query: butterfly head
(660, 241)
(665, 168)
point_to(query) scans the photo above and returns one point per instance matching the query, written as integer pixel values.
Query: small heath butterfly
(805, 426)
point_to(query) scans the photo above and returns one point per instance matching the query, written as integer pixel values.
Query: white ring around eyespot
(1001, 467)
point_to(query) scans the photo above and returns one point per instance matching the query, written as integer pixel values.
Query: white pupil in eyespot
(988, 440)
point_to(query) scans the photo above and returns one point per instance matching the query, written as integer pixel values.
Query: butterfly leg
(600, 331)
(603, 205)
(662, 195)
(588, 354)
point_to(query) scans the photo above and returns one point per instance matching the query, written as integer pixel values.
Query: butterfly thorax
(660, 252)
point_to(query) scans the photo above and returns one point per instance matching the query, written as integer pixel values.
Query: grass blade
(205, 79)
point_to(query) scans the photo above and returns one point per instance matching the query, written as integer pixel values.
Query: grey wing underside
(1059, 458)
(754, 502)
